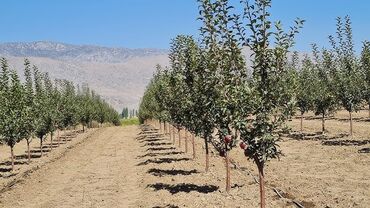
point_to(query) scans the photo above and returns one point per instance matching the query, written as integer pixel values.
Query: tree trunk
(170, 129)
(186, 141)
(350, 124)
(301, 122)
(58, 137)
(28, 151)
(169, 132)
(173, 135)
(193, 139)
(227, 164)
(83, 128)
(207, 153)
(262, 183)
(179, 132)
(12, 156)
(323, 123)
(41, 147)
(51, 141)
(369, 110)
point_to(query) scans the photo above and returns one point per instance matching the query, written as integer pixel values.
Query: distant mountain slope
(120, 75)
(69, 52)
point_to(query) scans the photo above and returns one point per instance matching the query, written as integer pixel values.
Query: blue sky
(152, 23)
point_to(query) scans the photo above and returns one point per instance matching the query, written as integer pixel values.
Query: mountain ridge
(83, 52)
(119, 75)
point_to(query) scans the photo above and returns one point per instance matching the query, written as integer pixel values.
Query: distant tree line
(129, 113)
(40, 106)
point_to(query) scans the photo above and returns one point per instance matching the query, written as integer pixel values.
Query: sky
(153, 23)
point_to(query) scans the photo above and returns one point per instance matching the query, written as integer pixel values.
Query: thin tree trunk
(227, 164)
(193, 139)
(165, 128)
(28, 151)
(301, 122)
(58, 137)
(169, 132)
(41, 147)
(262, 184)
(173, 135)
(350, 124)
(207, 153)
(323, 123)
(51, 141)
(12, 156)
(179, 132)
(186, 141)
(83, 128)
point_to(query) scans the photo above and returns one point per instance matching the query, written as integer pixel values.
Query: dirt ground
(126, 167)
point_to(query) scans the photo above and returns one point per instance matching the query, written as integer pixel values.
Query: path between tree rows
(126, 167)
(99, 172)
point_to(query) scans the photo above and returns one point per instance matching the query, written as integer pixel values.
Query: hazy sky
(152, 23)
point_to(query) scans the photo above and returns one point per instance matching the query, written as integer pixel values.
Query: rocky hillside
(118, 74)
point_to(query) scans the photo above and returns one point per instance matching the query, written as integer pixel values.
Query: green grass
(129, 121)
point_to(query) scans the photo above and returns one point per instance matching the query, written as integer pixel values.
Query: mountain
(119, 75)
(70, 52)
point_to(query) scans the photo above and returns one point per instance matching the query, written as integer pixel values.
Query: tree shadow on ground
(346, 142)
(162, 160)
(362, 119)
(160, 148)
(183, 187)
(151, 140)
(160, 172)
(167, 206)
(156, 144)
(154, 154)
(44, 150)
(9, 163)
(3, 170)
(317, 136)
(25, 156)
(147, 137)
(364, 150)
(47, 146)
(65, 140)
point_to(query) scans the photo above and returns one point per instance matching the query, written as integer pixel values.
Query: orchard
(210, 91)
(41, 107)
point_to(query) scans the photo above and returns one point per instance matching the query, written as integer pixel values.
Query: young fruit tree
(260, 131)
(44, 122)
(304, 91)
(324, 99)
(30, 103)
(14, 114)
(347, 74)
(365, 66)
(228, 68)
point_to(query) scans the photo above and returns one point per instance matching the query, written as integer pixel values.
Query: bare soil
(130, 167)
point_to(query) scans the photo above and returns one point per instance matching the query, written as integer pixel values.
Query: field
(126, 167)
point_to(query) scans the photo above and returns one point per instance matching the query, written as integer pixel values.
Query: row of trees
(334, 78)
(39, 106)
(128, 113)
(209, 90)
